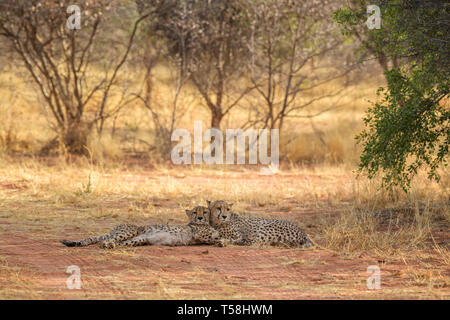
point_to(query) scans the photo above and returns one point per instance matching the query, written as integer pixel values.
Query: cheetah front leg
(236, 238)
(134, 242)
(242, 241)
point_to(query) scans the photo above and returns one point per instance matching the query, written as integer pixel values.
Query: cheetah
(196, 231)
(229, 233)
(252, 230)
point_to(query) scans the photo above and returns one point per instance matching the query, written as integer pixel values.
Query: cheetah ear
(230, 204)
(188, 212)
(208, 203)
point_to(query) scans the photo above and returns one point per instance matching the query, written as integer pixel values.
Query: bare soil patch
(201, 272)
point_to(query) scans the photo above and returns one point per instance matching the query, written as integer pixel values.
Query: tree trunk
(216, 119)
(75, 138)
(383, 61)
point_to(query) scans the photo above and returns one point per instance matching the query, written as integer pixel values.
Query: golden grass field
(352, 221)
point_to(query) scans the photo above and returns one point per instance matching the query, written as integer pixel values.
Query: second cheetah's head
(198, 215)
(220, 212)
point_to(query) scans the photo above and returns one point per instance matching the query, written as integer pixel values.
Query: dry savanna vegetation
(83, 150)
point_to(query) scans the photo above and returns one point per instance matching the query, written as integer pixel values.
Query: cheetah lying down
(244, 230)
(197, 231)
(216, 224)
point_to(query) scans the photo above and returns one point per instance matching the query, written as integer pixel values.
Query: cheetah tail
(84, 242)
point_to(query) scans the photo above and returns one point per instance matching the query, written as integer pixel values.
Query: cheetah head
(198, 215)
(220, 212)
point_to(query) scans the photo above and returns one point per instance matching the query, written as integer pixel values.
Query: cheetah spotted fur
(251, 230)
(197, 231)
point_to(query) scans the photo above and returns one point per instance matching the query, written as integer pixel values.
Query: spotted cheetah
(196, 231)
(229, 233)
(252, 230)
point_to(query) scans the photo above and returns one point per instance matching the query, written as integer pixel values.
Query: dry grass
(14, 283)
(362, 231)
(45, 202)
(93, 187)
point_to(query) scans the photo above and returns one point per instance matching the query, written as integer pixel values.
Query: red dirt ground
(33, 263)
(199, 272)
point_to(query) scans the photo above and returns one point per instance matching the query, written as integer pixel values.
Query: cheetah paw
(221, 243)
(107, 245)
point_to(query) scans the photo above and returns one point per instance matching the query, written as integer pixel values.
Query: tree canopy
(408, 128)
